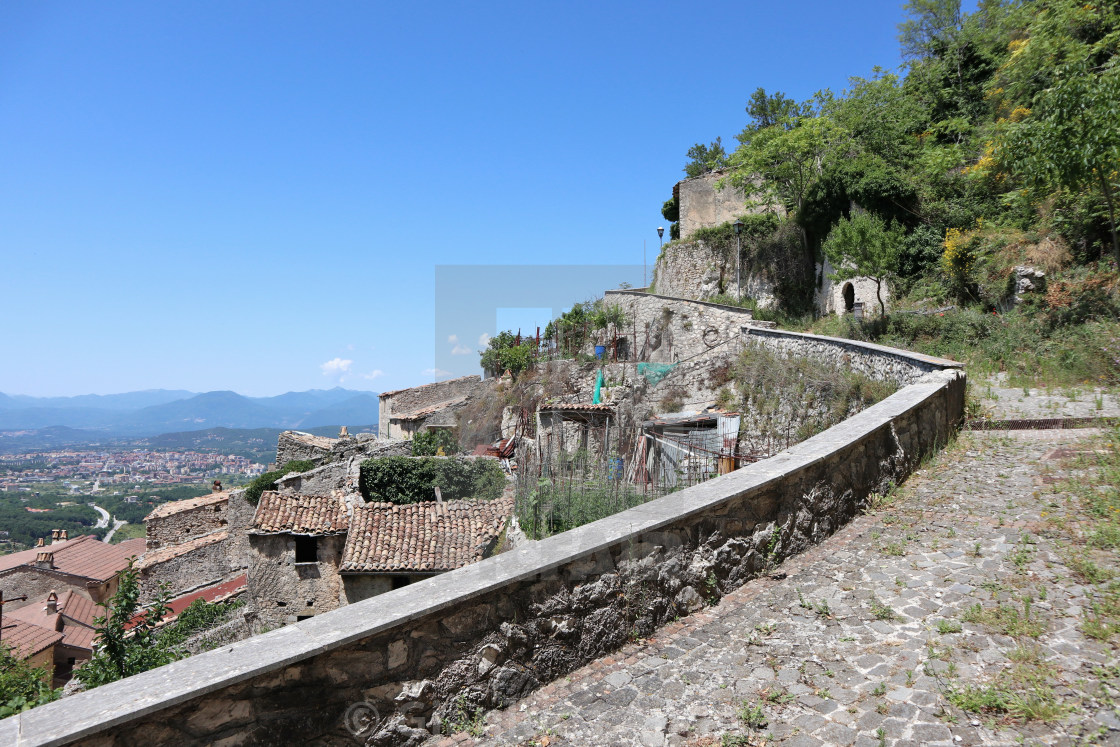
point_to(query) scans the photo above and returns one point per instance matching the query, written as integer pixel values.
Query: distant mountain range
(156, 411)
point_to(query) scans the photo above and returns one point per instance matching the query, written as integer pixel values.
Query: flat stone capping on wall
(876, 361)
(513, 621)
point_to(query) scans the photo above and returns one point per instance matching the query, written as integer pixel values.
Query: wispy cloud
(373, 374)
(453, 339)
(336, 367)
(461, 350)
(483, 340)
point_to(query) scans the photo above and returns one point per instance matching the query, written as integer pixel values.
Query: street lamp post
(738, 256)
(660, 233)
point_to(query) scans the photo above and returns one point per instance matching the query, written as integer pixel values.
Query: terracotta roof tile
(300, 514)
(163, 554)
(174, 507)
(27, 639)
(423, 537)
(75, 614)
(84, 556)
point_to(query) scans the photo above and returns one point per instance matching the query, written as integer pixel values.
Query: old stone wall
(489, 633)
(298, 446)
(830, 294)
(675, 329)
(185, 566)
(874, 361)
(702, 205)
(180, 521)
(284, 591)
(692, 269)
(403, 401)
(240, 516)
(36, 583)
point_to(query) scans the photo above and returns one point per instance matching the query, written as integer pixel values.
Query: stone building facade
(296, 544)
(179, 521)
(703, 205)
(405, 411)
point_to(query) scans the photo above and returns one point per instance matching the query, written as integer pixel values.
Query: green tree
(930, 28)
(506, 353)
(429, 441)
(704, 159)
(21, 686)
(864, 246)
(127, 644)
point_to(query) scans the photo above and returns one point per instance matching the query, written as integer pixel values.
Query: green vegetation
(130, 639)
(548, 506)
(267, 481)
(794, 398)
(414, 479)
(435, 442)
(999, 148)
(508, 352)
(574, 326)
(22, 687)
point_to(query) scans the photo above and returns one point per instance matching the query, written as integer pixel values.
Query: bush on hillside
(413, 479)
(267, 481)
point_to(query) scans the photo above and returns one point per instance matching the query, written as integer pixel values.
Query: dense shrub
(414, 479)
(267, 481)
(429, 441)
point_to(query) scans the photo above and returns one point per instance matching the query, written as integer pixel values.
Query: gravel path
(869, 634)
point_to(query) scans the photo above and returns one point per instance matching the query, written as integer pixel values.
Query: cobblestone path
(869, 635)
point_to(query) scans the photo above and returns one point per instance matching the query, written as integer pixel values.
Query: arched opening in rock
(849, 298)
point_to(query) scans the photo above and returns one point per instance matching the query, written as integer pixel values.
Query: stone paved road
(869, 632)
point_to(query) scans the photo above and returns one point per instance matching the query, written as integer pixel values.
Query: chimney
(39, 543)
(54, 535)
(52, 603)
(64, 535)
(44, 560)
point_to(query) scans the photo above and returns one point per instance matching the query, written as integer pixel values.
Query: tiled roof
(430, 409)
(214, 593)
(163, 554)
(76, 614)
(300, 514)
(84, 556)
(27, 639)
(422, 537)
(174, 507)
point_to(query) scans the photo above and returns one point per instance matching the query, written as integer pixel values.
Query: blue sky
(257, 195)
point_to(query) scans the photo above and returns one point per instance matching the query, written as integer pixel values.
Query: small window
(399, 582)
(306, 550)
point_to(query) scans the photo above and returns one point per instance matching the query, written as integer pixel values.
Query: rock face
(1027, 280)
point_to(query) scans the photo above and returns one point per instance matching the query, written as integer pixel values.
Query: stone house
(390, 545)
(71, 615)
(85, 565)
(403, 412)
(193, 543)
(296, 544)
(32, 644)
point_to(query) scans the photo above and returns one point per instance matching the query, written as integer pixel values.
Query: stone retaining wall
(487, 634)
(675, 329)
(875, 361)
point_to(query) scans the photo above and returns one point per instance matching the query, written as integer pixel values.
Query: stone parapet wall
(493, 631)
(673, 329)
(875, 361)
